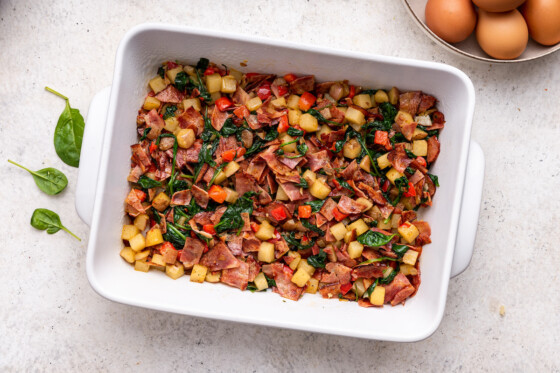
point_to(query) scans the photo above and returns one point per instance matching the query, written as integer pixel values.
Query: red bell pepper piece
(345, 288)
(209, 228)
(411, 192)
(209, 71)
(255, 226)
(290, 77)
(282, 90)
(386, 185)
(264, 91)
(304, 212)
(241, 112)
(381, 137)
(153, 147)
(352, 92)
(223, 103)
(230, 155)
(279, 213)
(250, 75)
(306, 100)
(284, 124)
(140, 194)
(217, 193)
(339, 216)
(171, 65)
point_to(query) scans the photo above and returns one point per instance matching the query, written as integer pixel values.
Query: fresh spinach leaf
(147, 183)
(318, 261)
(169, 112)
(145, 133)
(68, 133)
(294, 132)
(311, 227)
(302, 183)
(435, 179)
(315, 205)
(49, 180)
(400, 250)
(48, 220)
(374, 239)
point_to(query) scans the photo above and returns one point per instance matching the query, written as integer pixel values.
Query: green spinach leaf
(147, 183)
(320, 116)
(145, 133)
(302, 183)
(315, 205)
(169, 112)
(202, 64)
(270, 281)
(400, 250)
(161, 72)
(292, 240)
(232, 219)
(294, 132)
(371, 288)
(389, 279)
(175, 147)
(318, 261)
(49, 180)
(435, 179)
(374, 239)
(48, 220)
(311, 227)
(271, 133)
(181, 80)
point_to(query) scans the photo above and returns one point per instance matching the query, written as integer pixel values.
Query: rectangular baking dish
(105, 163)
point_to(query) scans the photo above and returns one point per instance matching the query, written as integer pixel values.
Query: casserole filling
(260, 181)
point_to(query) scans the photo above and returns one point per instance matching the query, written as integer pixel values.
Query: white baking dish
(105, 163)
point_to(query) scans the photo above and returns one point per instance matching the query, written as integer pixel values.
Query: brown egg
(498, 5)
(502, 35)
(451, 20)
(543, 19)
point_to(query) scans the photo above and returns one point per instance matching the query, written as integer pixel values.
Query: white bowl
(106, 149)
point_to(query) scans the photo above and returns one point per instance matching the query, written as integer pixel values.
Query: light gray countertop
(51, 320)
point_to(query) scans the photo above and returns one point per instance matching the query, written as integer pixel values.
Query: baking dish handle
(470, 208)
(90, 155)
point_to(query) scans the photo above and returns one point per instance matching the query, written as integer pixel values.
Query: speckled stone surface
(51, 320)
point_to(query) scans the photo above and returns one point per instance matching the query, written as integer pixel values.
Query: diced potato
(161, 202)
(190, 70)
(301, 277)
(154, 237)
(281, 194)
(375, 213)
(408, 202)
(254, 104)
(410, 257)
(213, 277)
(151, 103)
(418, 134)
(229, 84)
(265, 232)
(395, 219)
(294, 116)
(319, 189)
(312, 286)
(185, 138)
(308, 123)
(394, 96)
(297, 258)
(215, 96)
(381, 96)
(383, 161)
(355, 249)
(175, 271)
(403, 118)
(171, 74)
(408, 231)
(266, 252)
(157, 84)
(157, 259)
(171, 124)
(408, 270)
(279, 103)
(198, 273)
(363, 100)
(309, 176)
(137, 242)
(377, 297)
(293, 102)
(343, 109)
(238, 75)
(128, 254)
(352, 149)
(359, 225)
(142, 255)
(220, 177)
(365, 164)
(306, 267)
(285, 138)
(192, 102)
(129, 231)
(231, 168)
(420, 148)
(260, 282)
(393, 175)
(338, 231)
(214, 83)
(382, 224)
(349, 236)
(324, 129)
(231, 196)
(359, 287)
(141, 266)
(355, 116)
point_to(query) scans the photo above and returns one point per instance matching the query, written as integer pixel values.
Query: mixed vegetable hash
(262, 181)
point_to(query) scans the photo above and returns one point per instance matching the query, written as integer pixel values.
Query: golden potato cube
(349, 236)
(192, 102)
(418, 134)
(142, 255)
(408, 231)
(324, 129)
(352, 149)
(301, 277)
(382, 224)
(365, 202)
(238, 75)
(297, 258)
(260, 282)
(190, 70)
(128, 254)
(294, 116)
(171, 124)
(185, 138)
(254, 104)
(137, 242)
(129, 231)
(198, 273)
(231, 168)
(383, 161)
(154, 237)
(408, 270)
(410, 257)
(420, 148)
(265, 232)
(161, 202)
(151, 103)
(394, 96)
(287, 139)
(359, 225)
(293, 102)
(355, 249)
(393, 175)
(381, 96)
(220, 177)
(213, 83)
(281, 194)
(338, 231)
(215, 96)
(213, 277)
(363, 100)
(172, 73)
(395, 219)
(312, 286)
(157, 259)
(174, 271)
(141, 266)
(319, 189)
(229, 84)
(279, 103)
(365, 164)
(359, 287)
(157, 84)
(231, 196)
(355, 116)
(403, 118)
(306, 267)
(377, 297)
(309, 176)
(266, 252)
(308, 123)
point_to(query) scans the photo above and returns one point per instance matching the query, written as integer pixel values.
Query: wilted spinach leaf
(318, 261)
(374, 239)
